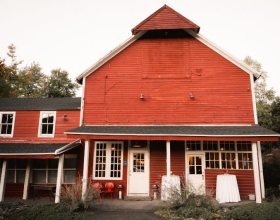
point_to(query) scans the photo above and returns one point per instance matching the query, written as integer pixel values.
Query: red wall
(166, 71)
(27, 123)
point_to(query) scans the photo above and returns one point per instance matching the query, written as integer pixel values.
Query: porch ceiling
(178, 132)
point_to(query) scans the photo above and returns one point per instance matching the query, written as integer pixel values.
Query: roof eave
(223, 53)
(109, 56)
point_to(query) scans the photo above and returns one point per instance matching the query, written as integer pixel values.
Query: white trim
(254, 100)
(27, 179)
(40, 124)
(223, 53)
(85, 169)
(13, 125)
(3, 180)
(256, 173)
(175, 135)
(261, 169)
(66, 147)
(82, 102)
(168, 160)
(110, 55)
(59, 178)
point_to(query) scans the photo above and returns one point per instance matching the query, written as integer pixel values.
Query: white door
(138, 173)
(195, 173)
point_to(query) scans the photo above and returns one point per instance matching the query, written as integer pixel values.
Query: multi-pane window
(47, 124)
(193, 145)
(212, 160)
(224, 154)
(7, 120)
(45, 170)
(138, 162)
(210, 145)
(16, 170)
(108, 160)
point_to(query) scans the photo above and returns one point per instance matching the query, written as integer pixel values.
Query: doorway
(195, 176)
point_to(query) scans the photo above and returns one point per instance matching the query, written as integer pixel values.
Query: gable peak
(165, 18)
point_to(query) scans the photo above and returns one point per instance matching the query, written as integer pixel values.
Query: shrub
(71, 195)
(189, 203)
(48, 212)
(254, 211)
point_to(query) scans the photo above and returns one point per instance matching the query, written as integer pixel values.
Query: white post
(256, 173)
(168, 163)
(3, 180)
(261, 169)
(27, 179)
(85, 171)
(59, 178)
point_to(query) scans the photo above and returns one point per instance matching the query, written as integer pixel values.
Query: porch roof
(180, 131)
(35, 149)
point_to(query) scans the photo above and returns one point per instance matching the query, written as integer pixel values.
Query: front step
(137, 198)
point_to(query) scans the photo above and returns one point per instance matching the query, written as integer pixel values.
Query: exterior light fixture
(155, 190)
(120, 187)
(191, 96)
(142, 96)
(64, 117)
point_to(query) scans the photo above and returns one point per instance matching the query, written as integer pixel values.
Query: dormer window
(7, 121)
(47, 124)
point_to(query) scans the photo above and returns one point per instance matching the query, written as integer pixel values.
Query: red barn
(168, 100)
(165, 105)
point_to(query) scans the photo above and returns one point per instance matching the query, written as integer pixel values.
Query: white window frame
(108, 160)
(13, 124)
(40, 124)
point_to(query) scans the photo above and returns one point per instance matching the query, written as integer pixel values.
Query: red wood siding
(178, 158)
(14, 190)
(166, 73)
(27, 123)
(157, 162)
(245, 181)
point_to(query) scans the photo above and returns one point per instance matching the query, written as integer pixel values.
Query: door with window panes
(195, 172)
(138, 172)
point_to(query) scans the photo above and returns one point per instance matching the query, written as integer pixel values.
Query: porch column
(27, 179)
(168, 164)
(261, 169)
(85, 170)
(256, 173)
(3, 180)
(59, 178)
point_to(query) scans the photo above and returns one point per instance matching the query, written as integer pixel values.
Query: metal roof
(35, 149)
(39, 104)
(218, 131)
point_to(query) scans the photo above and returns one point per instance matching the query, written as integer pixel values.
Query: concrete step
(138, 198)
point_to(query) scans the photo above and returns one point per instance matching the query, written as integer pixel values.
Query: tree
(59, 85)
(31, 81)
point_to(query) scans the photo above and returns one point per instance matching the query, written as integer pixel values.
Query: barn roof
(163, 19)
(157, 21)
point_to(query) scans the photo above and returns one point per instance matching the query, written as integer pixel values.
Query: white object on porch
(227, 189)
(170, 186)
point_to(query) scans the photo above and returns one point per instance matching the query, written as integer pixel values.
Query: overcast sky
(74, 34)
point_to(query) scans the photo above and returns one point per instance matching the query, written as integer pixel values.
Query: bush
(71, 195)
(48, 212)
(254, 211)
(189, 203)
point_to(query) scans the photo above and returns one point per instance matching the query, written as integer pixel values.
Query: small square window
(47, 124)
(7, 122)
